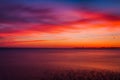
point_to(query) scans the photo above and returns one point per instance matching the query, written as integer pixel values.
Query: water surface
(36, 59)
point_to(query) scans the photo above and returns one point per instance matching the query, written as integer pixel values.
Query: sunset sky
(59, 23)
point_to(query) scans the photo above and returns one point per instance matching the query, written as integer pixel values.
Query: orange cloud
(89, 29)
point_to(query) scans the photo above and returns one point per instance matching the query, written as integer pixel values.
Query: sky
(59, 23)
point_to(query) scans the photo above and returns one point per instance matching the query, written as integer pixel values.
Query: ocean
(30, 62)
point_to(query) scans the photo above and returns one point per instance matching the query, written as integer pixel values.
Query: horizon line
(60, 48)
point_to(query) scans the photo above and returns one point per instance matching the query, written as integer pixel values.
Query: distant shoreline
(58, 48)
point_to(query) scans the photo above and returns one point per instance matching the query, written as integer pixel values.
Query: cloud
(22, 14)
(112, 17)
(1, 38)
(18, 18)
(10, 28)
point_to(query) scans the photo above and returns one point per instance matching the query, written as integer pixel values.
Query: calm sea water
(27, 59)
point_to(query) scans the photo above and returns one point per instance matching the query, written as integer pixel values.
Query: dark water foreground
(61, 75)
(59, 64)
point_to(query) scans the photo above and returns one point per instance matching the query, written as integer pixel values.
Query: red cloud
(23, 19)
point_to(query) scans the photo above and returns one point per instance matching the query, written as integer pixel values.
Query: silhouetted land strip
(62, 48)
